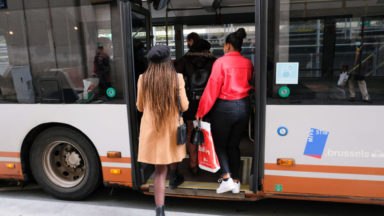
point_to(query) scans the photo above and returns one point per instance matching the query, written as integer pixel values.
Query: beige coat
(160, 147)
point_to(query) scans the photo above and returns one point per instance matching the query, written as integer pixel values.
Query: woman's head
(192, 38)
(234, 41)
(345, 67)
(159, 84)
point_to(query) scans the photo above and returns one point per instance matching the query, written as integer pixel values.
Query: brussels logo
(315, 143)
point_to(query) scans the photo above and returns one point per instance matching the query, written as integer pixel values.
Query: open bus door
(204, 184)
(136, 23)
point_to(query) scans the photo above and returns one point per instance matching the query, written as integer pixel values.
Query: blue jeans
(229, 121)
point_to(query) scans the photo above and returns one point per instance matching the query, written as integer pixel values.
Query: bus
(68, 73)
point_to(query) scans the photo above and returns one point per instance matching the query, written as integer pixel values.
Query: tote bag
(207, 155)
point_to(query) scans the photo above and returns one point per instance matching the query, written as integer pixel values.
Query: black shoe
(175, 179)
(194, 170)
(160, 211)
(367, 101)
(352, 99)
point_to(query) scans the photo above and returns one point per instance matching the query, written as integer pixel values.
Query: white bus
(68, 72)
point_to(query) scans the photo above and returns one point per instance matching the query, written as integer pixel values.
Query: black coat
(196, 68)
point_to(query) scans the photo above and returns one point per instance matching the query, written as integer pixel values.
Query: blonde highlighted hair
(160, 91)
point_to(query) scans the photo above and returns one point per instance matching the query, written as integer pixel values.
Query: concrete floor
(32, 201)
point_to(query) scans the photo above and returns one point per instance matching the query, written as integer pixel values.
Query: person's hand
(198, 118)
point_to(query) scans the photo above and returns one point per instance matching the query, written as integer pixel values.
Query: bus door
(138, 35)
(321, 138)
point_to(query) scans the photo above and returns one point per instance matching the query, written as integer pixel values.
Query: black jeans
(229, 121)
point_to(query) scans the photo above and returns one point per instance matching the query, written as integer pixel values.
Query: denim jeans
(229, 122)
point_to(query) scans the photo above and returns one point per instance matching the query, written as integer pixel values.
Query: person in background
(227, 95)
(191, 39)
(196, 68)
(157, 98)
(358, 75)
(102, 69)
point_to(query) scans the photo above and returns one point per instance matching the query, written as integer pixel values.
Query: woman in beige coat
(157, 98)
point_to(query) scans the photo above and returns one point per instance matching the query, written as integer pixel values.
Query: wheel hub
(72, 159)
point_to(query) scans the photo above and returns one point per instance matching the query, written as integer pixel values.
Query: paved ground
(32, 201)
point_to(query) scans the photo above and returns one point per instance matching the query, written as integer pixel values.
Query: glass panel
(215, 34)
(372, 56)
(320, 41)
(65, 51)
(160, 37)
(4, 61)
(14, 62)
(139, 37)
(305, 46)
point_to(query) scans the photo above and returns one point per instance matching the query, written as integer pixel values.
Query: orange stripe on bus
(126, 184)
(328, 169)
(115, 160)
(358, 200)
(124, 176)
(14, 173)
(10, 154)
(323, 186)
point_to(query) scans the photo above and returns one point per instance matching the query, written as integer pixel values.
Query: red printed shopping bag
(207, 155)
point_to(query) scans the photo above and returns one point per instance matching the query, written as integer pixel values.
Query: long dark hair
(236, 38)
(159, 90)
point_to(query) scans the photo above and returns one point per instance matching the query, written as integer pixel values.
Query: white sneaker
(225, 186)
(237, 187)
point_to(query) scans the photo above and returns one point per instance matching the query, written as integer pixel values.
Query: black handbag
(182, 128)
(197, 137)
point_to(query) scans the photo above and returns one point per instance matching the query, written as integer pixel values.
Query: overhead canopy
(298, 8)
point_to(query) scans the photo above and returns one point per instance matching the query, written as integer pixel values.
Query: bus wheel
(65, 164)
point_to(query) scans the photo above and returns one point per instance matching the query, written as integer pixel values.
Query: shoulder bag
(182, 128)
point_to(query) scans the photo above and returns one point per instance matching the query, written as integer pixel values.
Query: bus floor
(204, 183)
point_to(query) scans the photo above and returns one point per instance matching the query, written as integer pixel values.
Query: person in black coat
(196, 66)
(102, 69)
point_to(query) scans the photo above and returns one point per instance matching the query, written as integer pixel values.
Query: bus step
(202, 189)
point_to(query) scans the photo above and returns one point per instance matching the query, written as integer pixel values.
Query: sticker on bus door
(315, 143)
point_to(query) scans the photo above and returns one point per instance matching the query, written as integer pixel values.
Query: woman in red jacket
(227, 95)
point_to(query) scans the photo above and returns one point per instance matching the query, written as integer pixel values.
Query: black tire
(65, 164)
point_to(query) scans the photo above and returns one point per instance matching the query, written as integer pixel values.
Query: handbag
(343, 78)
(182, 128)
(197, 137)
(208, 160)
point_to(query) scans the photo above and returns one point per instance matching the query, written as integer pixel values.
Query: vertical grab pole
(166, 23)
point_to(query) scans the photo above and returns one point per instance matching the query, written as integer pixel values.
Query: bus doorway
(171, 25)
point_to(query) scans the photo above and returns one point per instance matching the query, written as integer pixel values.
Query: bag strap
(178, 99)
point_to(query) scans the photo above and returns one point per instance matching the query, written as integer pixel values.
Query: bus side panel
(105, 125)
(10, 165)
(338, 151)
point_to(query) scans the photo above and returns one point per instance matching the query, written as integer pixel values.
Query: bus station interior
(48, 47)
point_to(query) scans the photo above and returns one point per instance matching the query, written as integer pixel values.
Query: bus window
(68, 50)
(324, 39)
(14, 59)
(140, 45)
(159, 34)
(215, 34)
(4, 61)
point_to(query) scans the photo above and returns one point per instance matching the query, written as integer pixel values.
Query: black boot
(175, 179)
(160, 211)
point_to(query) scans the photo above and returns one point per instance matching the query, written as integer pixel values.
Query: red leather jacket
(229, 80)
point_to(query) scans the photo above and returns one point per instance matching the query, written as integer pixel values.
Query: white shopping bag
(207, 155)
(342, 79)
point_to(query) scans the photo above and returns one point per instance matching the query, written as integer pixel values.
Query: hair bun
(240, 33)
